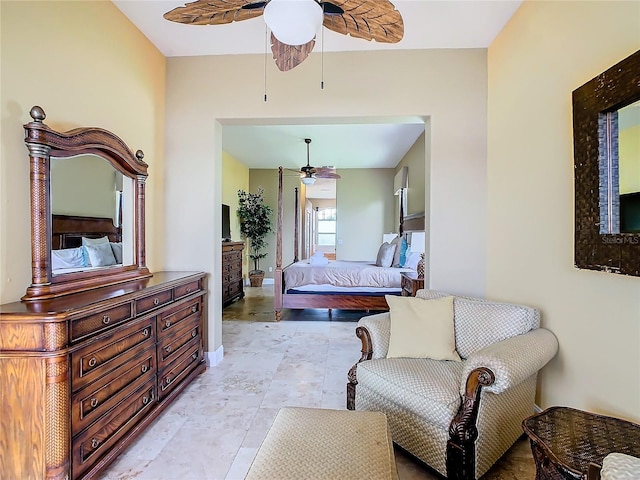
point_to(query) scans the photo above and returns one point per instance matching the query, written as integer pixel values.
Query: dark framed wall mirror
(87, 209)
(606, 142)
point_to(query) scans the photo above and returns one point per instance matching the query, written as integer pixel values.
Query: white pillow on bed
(94, 241)
(67, 258)
(100, 255)
(385, 255)
(117, 251)
(412, 260)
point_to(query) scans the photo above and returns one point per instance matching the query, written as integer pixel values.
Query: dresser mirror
(606, 142)
(86, 190)
(87, 209)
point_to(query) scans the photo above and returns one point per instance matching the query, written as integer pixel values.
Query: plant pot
(256, 277)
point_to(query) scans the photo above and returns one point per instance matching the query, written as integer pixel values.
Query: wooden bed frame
(68, 230)
(323, 300)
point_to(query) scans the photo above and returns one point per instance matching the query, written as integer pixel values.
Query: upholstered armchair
(458, 417)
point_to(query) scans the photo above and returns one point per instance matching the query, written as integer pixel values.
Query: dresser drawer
(153, 301)
(174, 317)
(98, 398)
(92, 324)
(180, 368)
(97, 359)
(188, 289)
(234, 288)
(90, 445)
(176, 343)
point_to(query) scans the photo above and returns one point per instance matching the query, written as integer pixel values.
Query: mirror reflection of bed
(91, 215)
(84, 243)
(319, 283)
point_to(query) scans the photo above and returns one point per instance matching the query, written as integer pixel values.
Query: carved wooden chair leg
(367, 351)
(461, 447)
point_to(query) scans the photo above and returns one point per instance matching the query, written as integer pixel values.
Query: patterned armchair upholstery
(459, 418)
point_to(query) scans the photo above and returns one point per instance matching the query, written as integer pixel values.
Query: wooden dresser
(83, 374)
(232, 281)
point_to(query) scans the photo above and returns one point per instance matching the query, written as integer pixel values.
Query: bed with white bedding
(339, 284)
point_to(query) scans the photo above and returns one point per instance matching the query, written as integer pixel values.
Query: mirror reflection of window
(629, 167)
(620, 170)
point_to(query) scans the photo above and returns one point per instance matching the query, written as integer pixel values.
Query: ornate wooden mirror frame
(610, 91)
(43, 144)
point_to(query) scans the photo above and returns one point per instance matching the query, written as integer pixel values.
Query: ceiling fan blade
(334, 176)
(326, 172)
(290, 56)
(215, 12)
(368, 19)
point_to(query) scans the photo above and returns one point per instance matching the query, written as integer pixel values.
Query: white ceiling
(377, 143)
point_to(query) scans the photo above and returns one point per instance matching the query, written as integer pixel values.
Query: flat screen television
(226, 223)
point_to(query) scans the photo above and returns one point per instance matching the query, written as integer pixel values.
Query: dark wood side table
(569, 443)
(410, 283)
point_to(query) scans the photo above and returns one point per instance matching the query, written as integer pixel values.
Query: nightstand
(410, 283)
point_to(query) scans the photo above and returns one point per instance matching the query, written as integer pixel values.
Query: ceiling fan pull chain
(322, 61)
(266, 48)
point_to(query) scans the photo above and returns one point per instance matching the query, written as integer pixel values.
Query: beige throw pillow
(422, 328)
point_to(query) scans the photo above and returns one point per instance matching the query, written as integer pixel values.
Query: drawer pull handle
(156, 301)
(95, 443)
(194, 309)
(92, 362)
(94, 402)
(145, 332)
(167, 349)
(195, 355)
(168, 380)
(188, 289)
(193, 334)
(145, 400)
(106, 319)
(145, 368)
(167, 323)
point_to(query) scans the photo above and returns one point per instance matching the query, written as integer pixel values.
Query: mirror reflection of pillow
(117, 251)
(67, 258)
(100, 255)
(94, 241)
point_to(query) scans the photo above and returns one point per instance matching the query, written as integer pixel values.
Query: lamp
(418, 242)
(308, 180)
(293, 22)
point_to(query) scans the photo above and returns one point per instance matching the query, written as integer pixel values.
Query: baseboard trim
(214, 358)
(536, 408)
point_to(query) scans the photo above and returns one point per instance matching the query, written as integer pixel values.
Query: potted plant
(255, 223)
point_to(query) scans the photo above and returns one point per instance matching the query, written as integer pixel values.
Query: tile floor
(213, 430)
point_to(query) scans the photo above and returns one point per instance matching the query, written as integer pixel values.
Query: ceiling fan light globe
(293, 22)
(308, 180)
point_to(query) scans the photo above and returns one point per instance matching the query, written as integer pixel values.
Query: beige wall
(414, 160)
(544, 53)
(86, 65)
(235, 176)
(84, 185)
(365, 212)
(447, 86)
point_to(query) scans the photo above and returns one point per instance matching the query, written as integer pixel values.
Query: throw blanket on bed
(342, 273)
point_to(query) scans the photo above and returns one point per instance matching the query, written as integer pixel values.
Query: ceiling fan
(309, 174)
(294, 23)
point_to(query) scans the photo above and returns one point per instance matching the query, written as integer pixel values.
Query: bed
(338, 285)
(68, 232)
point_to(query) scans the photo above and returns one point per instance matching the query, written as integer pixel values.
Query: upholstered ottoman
(311, 443)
